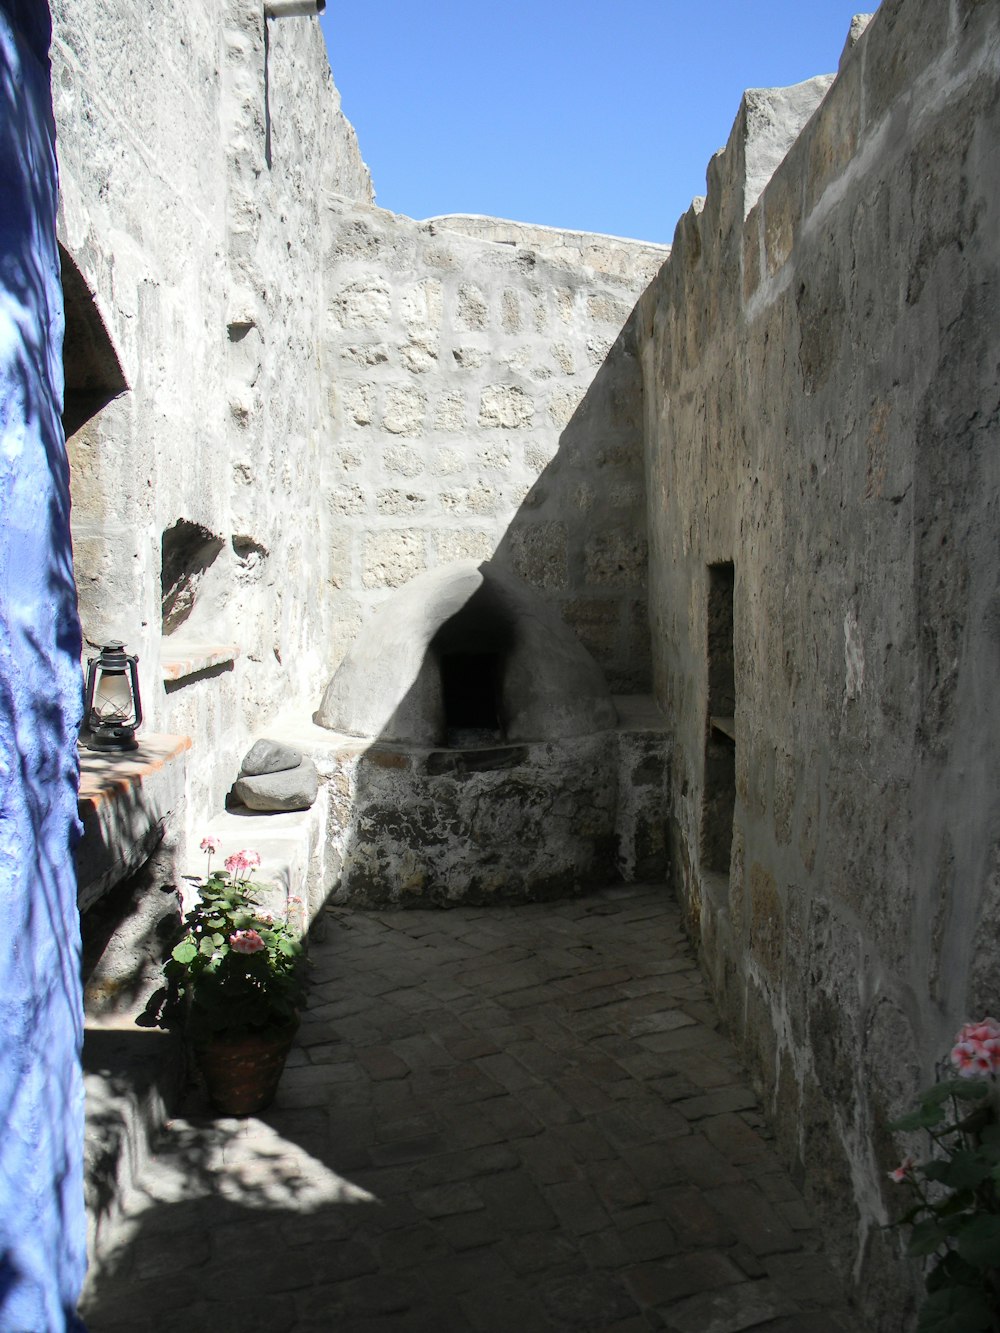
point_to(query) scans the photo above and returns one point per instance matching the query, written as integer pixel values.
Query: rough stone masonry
(309, 401)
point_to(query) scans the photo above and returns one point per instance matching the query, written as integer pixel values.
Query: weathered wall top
(636, 260)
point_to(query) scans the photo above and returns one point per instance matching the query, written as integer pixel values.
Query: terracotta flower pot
(242, 1072)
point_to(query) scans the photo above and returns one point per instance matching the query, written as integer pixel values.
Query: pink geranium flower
(903, 1170)
(976, 1053)
(210, 845)
(246, 941)
(241, 864)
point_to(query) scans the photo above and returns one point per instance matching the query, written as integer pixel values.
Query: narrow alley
(499, 1121)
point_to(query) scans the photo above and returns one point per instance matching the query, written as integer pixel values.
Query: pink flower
(976, 1053)
(903, 1170)
(241, 864)
(246, 941)
(210, 845)
(988, 1029)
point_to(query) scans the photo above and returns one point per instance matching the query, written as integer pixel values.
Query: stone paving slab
(496, 1121)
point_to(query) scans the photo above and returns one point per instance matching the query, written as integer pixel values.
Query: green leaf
(940, 1092)
(964, 1171)
(968, 1089)
(926, 1237)
(955, 1309)
(951, 1272)
(206, 947)
(979, 1241)
(218, 939)
(958, 1201)
(184, 952)
(925, 1118)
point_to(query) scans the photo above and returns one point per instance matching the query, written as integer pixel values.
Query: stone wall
(485, 403)
(195, 158)
(42, 1230)
(820, 366)
(321, 398)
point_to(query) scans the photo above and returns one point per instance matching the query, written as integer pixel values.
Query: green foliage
(238, 969)
(954, 1220)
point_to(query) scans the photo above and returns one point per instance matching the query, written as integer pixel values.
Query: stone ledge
(124, 803)
(193, 660)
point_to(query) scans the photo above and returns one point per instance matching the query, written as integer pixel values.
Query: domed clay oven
(492, 765)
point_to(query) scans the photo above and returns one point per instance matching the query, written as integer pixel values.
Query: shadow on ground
(519, 1118)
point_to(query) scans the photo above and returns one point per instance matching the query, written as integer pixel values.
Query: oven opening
(470, 684)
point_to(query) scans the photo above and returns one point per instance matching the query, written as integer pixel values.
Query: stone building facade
(752, 474)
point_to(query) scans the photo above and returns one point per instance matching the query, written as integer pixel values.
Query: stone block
(469, 358)
(366, 354)
(494, 457)
(616, 558)
(419, 356)
(472, 310)
(607, 309)
(392, 502)
(510, 311)
(448, 461)
(420, 308)
(392, 557)
(363, 304)
(464, 544)
(598, 347)
(539, 554)
(562, 355)
(403, 460)
(344, 500)
(539, 453)
(480, 498)
(359, 403)
(405, 409)
(449, 413)
(506, 407)
(563, 403)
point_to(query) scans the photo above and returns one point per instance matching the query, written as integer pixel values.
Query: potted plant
(954, 1215)
(241, 975)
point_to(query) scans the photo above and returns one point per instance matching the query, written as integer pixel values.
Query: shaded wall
(41, 1096)
(822, 410)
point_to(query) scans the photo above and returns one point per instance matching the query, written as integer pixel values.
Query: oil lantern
(113, 709)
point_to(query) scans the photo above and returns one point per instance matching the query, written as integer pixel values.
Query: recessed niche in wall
(720, 733)
(90, 365)
(188, 550)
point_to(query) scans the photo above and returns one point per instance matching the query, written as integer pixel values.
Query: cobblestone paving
(499, 1121)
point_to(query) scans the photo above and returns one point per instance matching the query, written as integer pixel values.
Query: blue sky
(589, 114)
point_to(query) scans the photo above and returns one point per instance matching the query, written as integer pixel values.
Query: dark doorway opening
(720, 730)
(470, 685)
